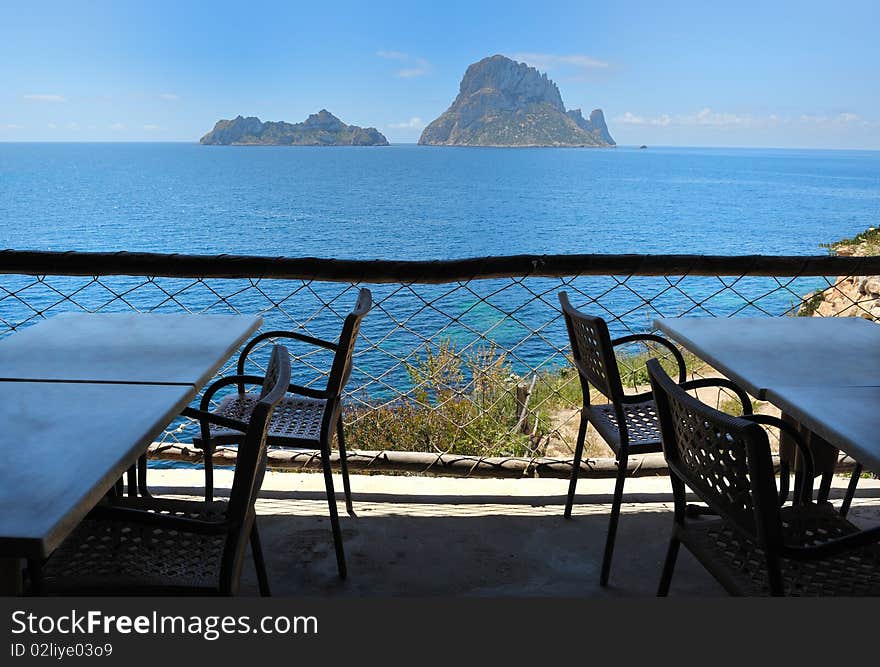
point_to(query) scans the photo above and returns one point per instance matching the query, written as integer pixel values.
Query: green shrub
(465, 403)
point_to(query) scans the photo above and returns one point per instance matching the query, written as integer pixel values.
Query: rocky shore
(850, 296)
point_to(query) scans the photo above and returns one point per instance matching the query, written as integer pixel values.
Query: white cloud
(44, 98)
(706, 117)
(169, 96)
(411, 72)
(151, 127)
(630, 118)
(413, 123)
(549, 61)
(51, 126)
(393, 55)
(13, 126)
(415, 66)
(117, 126)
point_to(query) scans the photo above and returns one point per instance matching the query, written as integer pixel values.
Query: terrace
(462, 409)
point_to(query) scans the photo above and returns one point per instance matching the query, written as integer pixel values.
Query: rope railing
(73, 263)
(461, 367)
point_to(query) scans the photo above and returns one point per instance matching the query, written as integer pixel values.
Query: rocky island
(505, 103)
(319, 129)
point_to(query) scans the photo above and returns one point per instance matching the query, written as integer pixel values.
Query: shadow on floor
(478, 555)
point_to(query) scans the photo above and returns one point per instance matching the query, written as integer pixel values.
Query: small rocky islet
(319, 129)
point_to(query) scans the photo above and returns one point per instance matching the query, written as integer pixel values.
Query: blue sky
(798, 74)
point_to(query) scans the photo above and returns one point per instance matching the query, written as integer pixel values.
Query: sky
(761, 74)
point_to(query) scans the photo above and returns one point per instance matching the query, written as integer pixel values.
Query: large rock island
(505, 103)
(319, 129)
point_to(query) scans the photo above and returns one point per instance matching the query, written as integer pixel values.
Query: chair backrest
(250, 468)
(592, 352)
(725, 460)
(340, 371)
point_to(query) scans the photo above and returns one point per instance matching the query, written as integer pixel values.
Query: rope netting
(470, 366)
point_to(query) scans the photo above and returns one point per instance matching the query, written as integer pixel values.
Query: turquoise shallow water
(414, 202)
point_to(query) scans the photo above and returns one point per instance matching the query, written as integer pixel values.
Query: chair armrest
(147, 518)
(215, 386)
(836, 546)
(204, 416)
(795, 436)
(306, 391)
(721, 382)
(241, 380)
(679, 358)
(253, 342)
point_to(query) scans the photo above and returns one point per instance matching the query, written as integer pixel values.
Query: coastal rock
(319, 129)
(505, 103)
(849, 296)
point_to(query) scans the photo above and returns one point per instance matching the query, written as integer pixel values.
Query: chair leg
(800, 489)
(131, 481)
(343, 464)
(615, 515)
(334, 514)
(142, 476)
(851, 489)
(668, 566)
(576, 465)
(824, 487)
(784, 481)
(259, 561)
(208, 456)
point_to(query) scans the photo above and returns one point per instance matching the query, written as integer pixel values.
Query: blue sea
(418, 202)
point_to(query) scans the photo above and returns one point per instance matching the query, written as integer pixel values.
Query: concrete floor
(424, 536)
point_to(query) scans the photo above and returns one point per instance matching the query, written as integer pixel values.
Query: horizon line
(415, 143)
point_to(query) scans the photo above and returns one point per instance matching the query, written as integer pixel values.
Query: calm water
(416, 202)
(411, 202)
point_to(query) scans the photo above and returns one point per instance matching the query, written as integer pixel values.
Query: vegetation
(466, 403)
(811, 304)
(864, 243)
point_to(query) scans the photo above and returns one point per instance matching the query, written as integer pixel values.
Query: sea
(408, 202)
(425, 202)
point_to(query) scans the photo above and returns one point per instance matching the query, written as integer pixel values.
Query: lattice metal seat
(116, 557)
(641, 425)
(305, 418)
(158, 546)
(741, 565)
(295, 423)
(627, 423)
(757, 547)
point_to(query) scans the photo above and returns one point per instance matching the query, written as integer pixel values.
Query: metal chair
(305, 419)
(152, 546)
(628, 422)
(825, 457)
(756, 546)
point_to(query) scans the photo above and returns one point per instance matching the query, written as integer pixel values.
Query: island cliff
(319, 129)
(505, 103)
